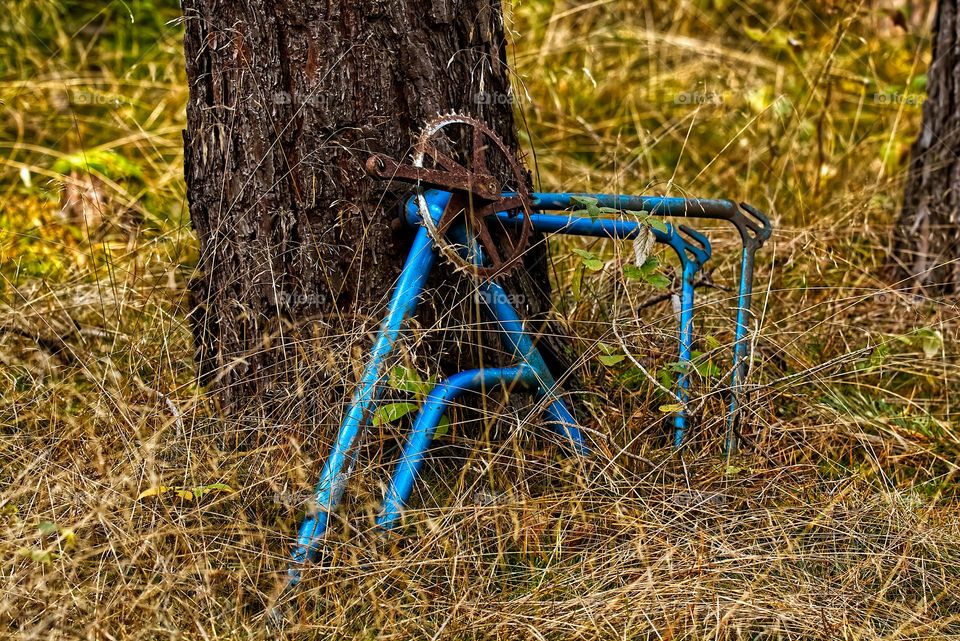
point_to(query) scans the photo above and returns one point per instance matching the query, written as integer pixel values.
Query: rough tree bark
(927, 243)
(287, 100)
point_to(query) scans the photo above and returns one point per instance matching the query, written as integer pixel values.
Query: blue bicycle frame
(530, 371)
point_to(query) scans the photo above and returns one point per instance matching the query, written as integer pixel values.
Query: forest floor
(128, 509)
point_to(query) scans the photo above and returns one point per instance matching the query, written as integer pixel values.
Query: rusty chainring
(477, 194)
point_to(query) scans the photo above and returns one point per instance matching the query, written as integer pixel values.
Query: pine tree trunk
(287, 100)
(927, 243)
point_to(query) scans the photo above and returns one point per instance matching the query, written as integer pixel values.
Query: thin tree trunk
(927, 242)
(287, 100)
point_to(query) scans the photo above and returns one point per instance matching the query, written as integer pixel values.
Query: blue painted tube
(720, 209)
(424, 428)
(557, 223)
(740, 349)
(333, 478)
(561, 419)
(691, 256)
(753, 233)
(686, 347)
(657, 205)
(754, 230)
(594, 227)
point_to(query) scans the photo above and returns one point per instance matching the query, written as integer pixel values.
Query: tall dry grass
(839, 519)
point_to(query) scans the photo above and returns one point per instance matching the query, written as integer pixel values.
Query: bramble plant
(647, 271)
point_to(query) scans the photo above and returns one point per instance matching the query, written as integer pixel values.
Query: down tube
(562, 420)
(332, 481)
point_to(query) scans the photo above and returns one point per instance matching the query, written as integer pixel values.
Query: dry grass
(840, 520)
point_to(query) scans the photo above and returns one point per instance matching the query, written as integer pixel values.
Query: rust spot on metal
(476, 193)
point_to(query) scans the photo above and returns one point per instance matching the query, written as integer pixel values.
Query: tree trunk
(927, 243)
(287, 100)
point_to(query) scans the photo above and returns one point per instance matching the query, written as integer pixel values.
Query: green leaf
(589, 260)
(665, 376)
(586, 201)
(185, 493)
(753, 33)
(657, 224)
(443, 427)
(878, 355)
(46, 527)
(930, 341)
(213, 488)
(589, 204)
(706, 369)
(46, 557)
(576, 285)
(649, 220)
(407, 380)
(650, 265)
(68, 538)
(646, 272)
(392, 412)
(606, 348)
(610, 359)
(678, 367)
(658, 281)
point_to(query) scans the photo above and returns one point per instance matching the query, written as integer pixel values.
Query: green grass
(839, 520)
